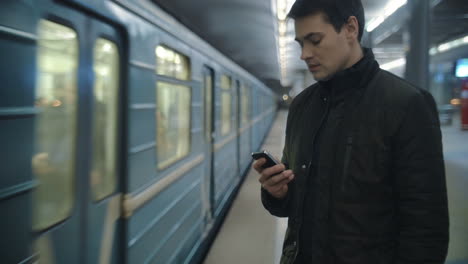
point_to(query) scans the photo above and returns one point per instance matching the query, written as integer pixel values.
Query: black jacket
(369, 187)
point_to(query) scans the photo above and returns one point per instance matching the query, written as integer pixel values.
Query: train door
(208, 180)
(238, 129)
(105, 129)
(76, 142)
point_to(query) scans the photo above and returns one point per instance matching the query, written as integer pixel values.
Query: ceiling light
(374, 23)
(282, 28)
(393, 6)
(393, 64)
(449, 45)
(283, 6)
(389, 9)
(444, 47)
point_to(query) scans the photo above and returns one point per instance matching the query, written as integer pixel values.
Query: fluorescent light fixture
(282, 28)
(393, 64)
(389, 9)
(283, 8)
(444, 47)
(374, 23)
(449, 45)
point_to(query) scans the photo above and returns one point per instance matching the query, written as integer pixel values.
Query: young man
(362, 176)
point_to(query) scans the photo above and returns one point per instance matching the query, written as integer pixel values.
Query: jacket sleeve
(277, 207)
(422, 210)
(280, 207)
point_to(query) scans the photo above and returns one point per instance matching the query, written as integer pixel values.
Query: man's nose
(306, 53)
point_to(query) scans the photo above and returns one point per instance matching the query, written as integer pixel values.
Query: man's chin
(320, 77)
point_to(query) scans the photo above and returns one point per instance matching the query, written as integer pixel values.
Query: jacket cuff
(277, 207)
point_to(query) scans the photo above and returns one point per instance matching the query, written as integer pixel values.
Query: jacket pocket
(288, 255)
(289, 248)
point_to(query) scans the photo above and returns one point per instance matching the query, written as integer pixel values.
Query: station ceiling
(247, 30)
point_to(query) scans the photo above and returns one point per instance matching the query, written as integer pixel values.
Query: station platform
(250, 235)
(456, 167)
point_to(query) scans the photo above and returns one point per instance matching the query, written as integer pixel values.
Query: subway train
(124, 135)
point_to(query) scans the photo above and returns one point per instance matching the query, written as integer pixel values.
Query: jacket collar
(351, 79)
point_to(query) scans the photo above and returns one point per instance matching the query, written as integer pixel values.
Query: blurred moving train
(124, 135)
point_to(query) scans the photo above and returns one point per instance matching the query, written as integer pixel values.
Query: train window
(226, 85)
(245, 104)
(53, 159)
(105, 119)
(172, 123)
(171, 63)
(208, 97)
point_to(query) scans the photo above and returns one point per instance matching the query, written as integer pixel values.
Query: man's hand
(274, 179)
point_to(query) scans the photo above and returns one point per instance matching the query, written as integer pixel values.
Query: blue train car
(124, 135)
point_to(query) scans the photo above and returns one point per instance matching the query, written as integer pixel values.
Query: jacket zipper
(324, 117)
(349, 148)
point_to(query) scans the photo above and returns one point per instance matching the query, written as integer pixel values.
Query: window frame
(177, 51)
(119, 123)
(226, 91)
(245, 116)
(66, 23)
(171, 80)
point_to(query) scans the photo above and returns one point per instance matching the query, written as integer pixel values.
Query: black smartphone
(270, 161)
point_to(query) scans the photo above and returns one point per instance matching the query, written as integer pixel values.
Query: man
(362, 176)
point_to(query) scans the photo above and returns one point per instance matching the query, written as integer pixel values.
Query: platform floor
(250, 235)
(456, 166)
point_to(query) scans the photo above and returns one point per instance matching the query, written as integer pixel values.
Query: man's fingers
(269, 172)
(274, 169)
(280, 177)
(278, 180)
(279, 190)
(258, 165)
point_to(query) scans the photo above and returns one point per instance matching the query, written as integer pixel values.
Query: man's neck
(356, 55)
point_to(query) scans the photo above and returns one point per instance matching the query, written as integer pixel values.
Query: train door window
(226, 85)
(105, 119)
(173, 108)
(245, 105)
(55, 132)
(208, 108)
(173, 123)
(171, 63)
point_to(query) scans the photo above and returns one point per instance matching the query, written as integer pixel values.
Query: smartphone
(270, 161)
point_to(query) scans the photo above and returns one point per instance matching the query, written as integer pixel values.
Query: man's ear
(352, 28)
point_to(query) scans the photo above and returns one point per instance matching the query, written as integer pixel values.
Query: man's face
(325, 51)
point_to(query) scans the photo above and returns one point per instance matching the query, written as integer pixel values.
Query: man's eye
(316, 42)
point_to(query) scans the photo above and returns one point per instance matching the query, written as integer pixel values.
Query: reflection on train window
(53, 161)
(171, 63)
(105, 123)
(172, 123)
(225, 104)
(245, 104)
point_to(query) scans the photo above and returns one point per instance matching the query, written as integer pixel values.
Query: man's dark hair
(337, 12)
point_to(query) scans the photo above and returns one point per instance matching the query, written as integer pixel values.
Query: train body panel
(161, 199)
